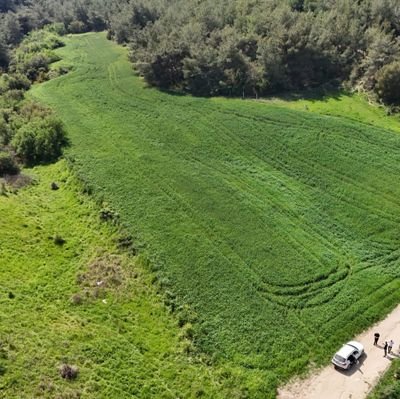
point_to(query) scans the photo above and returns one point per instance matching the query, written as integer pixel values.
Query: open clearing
(280, 228)
(358, 381)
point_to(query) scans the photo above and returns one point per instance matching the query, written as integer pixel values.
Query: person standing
(390, 345)
(385, 347)
(376, 338)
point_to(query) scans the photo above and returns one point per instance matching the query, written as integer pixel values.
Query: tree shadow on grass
(312, 95)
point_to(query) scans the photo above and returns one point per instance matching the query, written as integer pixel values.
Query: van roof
(347, 349)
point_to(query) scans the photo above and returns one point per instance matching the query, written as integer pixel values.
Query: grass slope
(279, 227)
(127, 347)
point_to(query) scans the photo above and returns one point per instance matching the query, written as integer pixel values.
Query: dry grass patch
(105, 272)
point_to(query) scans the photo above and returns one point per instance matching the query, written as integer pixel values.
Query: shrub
(3, 189)
(40, 140)
(76, 299)
(56, 72)
(8, 165)
(5, 132)
(388, 83)
(58, 28)
(31, 110)
(34, 65)
(68, 372)
(107, 214)
(15, 81)
(12, 97)
(77, 27)
(4, 56)
(39, 40)
(34, 55)
(58, 240)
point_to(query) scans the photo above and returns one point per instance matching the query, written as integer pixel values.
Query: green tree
(382, 50)
(10, 29)
(4, 56)
(388, 83)
(8, 166)
(40, 140)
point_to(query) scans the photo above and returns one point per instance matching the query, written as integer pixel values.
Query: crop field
(278, 227)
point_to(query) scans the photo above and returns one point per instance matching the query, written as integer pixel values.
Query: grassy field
(344, 105)
(389, 385)
(52, 310)
(278, 227)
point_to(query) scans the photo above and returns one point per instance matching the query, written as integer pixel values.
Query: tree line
(235, 47)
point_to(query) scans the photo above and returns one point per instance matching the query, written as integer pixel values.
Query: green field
(121, 336)
(279, 227)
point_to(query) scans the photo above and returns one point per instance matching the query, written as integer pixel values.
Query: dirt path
(329, 383)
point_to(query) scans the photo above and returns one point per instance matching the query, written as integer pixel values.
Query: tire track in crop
(213, 237)
(362, 306)
(283, 166)
(255, 158)
(301, 245)
(113, 81)
(293, 155)
(350, 180)
(319, 232)
(334, 176)
(234, 258)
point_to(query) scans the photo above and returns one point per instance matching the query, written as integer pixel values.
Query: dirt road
(329, 383)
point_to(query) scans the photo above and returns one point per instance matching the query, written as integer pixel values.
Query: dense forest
(235, 47)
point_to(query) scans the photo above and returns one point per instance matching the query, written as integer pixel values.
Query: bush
(12, 98)
(35, 64)
(8, 165)
(56, 72)
(76, 299)
(15, 81)
(31, 110)
(388, 83)
(5, 132)
(33, 57)
(58, 28)
(77, 27)
(58, 240)
(68, 372)
(40, 40)
(40, 140)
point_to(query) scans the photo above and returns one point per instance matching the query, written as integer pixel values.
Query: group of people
(387, 347)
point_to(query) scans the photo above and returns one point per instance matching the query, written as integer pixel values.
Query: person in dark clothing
(376, 338)
(352, 359)
(385, 348)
